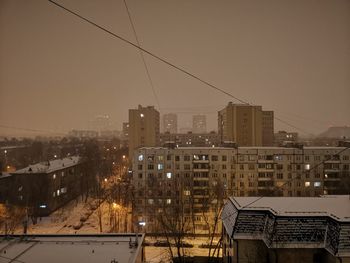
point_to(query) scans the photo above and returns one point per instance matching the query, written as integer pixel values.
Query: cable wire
(165, 61)
(142, 56)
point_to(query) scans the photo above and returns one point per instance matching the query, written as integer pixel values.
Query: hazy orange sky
(57, 72)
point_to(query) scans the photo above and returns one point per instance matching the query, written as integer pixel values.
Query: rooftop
(335, 206)
(50, 166)
(70, 248)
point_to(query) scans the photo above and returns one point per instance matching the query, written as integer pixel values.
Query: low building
(283, 138)
(191, 139)
(286, 229)
(44, 187)
(113, 248)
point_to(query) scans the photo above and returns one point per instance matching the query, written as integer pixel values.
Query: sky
(57, 72)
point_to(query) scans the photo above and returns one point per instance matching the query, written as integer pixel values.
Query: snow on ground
(64, 219)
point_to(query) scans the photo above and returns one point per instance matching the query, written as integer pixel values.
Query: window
(307, 166)
(187, 166)
(187, 158)
(151, 201)
(317, 184)
(224, 166)
(160, 166)
(280, 176)
(150, 167)
(54, 176)
(160, 157)
(278, 157)
(168, 157)
(307, 184)
(168, 201)
(214, 158)
(177, 158)
(279, 166)
(140, 157)
(251, 157)
(139, 167)
(168, 175)
(140, 175)
(187, 192)
(224, 158)
(251, 166)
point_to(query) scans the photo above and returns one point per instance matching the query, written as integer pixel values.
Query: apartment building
(267, 128)
(143, 128)
(46, 186)
(199, 123)
(280, 229)
(170, 123)
(246, 125)
(191, 139)
(198, 178)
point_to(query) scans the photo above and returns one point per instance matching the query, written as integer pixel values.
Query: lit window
(307, 166)
(168, 201)
(58, 192)
(317, 184)
(54, 194)
(307, 184)
(187, 192)
(142, 115)
(326, 176)
(168, 175)
(42, 206)
(64, 190)
(160, 166)
(140, 157)
(150, 201)
(54, 176)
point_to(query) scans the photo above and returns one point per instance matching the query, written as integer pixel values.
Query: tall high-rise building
(199, 124)
(241, 124)
(170, 123)
(246, 125)
(267, 128)
(143, 128)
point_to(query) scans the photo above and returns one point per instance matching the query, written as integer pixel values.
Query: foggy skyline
(57, 72)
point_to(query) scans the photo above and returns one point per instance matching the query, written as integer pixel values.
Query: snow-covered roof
(4, 175)
(50, 166)
(291, 222)
(335, 206)
(71, 248)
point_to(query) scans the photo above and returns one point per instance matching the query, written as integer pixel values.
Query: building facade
(280, 229)
(199, 177)
(267, 128)
(283, 137)
(199, 124)
(46, 186)
(246, 125)
(143, 128)
(170, 123)
(191, 139)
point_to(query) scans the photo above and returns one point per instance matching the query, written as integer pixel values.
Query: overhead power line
(142, 56)
(192, 75)
(148, 52)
